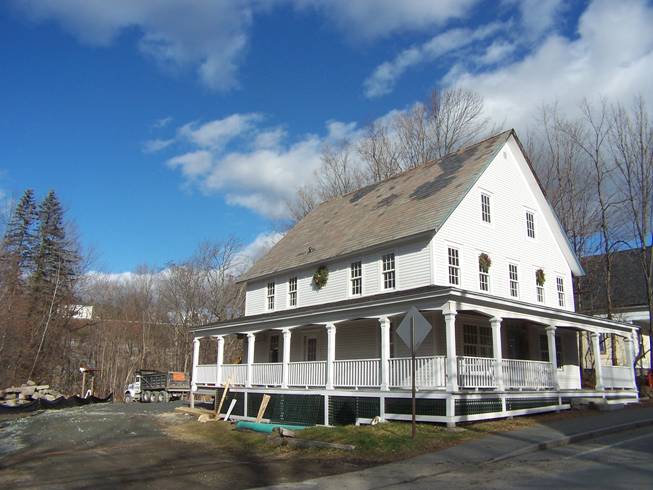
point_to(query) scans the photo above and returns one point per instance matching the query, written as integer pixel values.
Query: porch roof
(398, 302)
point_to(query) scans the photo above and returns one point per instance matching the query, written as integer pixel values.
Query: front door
(310, 348)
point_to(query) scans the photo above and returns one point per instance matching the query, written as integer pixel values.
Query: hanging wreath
(484, 262)
(320, 277)
(540, 278)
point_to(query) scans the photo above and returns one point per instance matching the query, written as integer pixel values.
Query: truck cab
(133, 391)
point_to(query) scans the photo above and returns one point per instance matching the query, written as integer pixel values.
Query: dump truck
(157, 386)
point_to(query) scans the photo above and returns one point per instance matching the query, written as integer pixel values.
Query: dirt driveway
(129, 445)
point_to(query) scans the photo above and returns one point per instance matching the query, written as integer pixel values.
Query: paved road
(617, 461)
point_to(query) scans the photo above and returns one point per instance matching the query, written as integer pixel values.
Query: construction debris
(27, 393)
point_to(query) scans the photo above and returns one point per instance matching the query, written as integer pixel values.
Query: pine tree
(18, 244)
(55, 260)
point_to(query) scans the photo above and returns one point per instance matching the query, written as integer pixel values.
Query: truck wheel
(154, 397)
(145, 397)
(162, 397)
(166, 396)
(128, 398)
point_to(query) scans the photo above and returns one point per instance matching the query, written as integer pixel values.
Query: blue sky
(164, 123)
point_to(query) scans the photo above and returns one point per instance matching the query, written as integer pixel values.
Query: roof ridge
(421, 165)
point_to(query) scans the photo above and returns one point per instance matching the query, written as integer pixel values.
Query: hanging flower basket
(540, 278)
(320, 277)
(484, 262)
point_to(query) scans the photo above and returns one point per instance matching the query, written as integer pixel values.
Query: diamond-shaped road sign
(422, 327)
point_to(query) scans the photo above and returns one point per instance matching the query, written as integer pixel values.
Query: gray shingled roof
(411, 203)
(628, 282)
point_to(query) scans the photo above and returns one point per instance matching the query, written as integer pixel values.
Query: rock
(205, 417)
(10, 396)
(36, 396)
(13, 389)
(42, 387)
(10, 403)
(50, 398)
(30, 383)
(27, 391)
(23, 396)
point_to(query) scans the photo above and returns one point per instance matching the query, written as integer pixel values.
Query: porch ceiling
(425, 298)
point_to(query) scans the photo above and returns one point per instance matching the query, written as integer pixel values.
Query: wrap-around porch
(466, 350)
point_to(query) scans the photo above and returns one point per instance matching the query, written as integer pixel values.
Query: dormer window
(530, 224)
(388, 271)
(356, 270)
(485, 208)
(271, 295)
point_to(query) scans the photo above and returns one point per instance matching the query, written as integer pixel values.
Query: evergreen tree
(56, 259)
(18, 244)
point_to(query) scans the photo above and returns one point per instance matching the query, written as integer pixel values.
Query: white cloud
(255, 250)
(383, 78)
(210, 36)
(253, 166)
(496, 52)
(611, 56)
(379, 18)
(155, 145)
(162, 122)
(218, 133)
(539, 16)
(193, 164)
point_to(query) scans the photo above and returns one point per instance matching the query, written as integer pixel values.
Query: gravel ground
(126, 445)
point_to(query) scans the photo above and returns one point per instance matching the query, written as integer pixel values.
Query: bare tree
(632, 142)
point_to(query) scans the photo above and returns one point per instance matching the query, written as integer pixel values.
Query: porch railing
(308, 373)
(207, 374)
(617, 377)
(519, 374)
(235, 373)
(476, 372)
(430, 372)
(267, 374)
(358, 373)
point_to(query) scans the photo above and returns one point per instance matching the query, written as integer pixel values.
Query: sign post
(413, 329)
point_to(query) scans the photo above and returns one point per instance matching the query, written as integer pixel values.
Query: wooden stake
(216, 414)
(261, 409)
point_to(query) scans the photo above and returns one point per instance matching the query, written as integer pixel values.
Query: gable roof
(411, 203)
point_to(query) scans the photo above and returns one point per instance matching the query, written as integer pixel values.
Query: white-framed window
(356, 278)
(454, 266)
(388, 261)
(513, 276)
(560, 286)
(530, 224)
(483, 277)
(292, 291)
(477, 340)
(539, 289)
(486, 214)
(271, 295)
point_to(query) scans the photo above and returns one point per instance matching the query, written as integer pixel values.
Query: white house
(469, 240)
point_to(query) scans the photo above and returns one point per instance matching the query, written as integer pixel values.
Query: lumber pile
(26, 393)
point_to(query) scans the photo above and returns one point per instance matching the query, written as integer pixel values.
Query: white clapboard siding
(412, 265)
(505, 240)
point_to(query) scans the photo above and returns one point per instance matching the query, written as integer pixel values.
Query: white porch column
(384, 323)
(251, 339)
(196, 359)
(331, 354)
(220, 360)
(596, 353)
(553, 359)
(628, 352)
(452, 362)
(495, 323)
(287, 335)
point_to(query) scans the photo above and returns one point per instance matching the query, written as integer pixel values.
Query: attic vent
(505, 155)
(310, 250)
